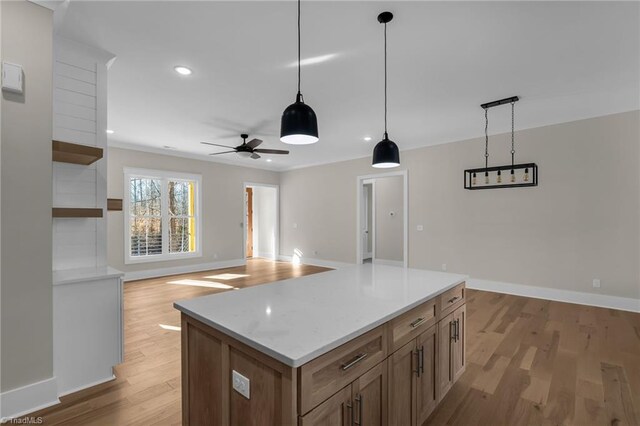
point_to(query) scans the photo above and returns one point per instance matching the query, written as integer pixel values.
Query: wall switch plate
(420, 228)
(295, 226)
(12, 78)
(241, 384)
(596, 283)
(444, 267)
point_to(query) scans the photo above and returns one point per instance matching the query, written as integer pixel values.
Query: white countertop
(71, 276)
(297, 320)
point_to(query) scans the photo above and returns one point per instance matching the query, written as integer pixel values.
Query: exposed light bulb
(526, 175)
(473, 181)
(486, 178)
(499, 176)
(513, 176)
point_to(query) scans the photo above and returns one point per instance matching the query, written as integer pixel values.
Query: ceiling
(566, 60)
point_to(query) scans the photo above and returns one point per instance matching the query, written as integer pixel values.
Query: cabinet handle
(421, 364)
(452, 330)
(354, 361)
(350, 408)
(417, 322)
(457, 329)
(453, 299)
(360, 401)
(417, 370)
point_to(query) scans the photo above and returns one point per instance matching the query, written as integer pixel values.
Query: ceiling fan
(247, 149)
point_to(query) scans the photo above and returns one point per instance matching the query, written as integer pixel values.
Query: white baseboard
(581, 298)
(316, 262)
(27, 399)
(88, 385)
(161, 272)
(399, 263)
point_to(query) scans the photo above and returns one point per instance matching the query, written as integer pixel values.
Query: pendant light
(299, 125)
(385, 153)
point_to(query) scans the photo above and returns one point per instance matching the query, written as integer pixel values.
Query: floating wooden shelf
(114, 204)
(66, 152)
(76, 212)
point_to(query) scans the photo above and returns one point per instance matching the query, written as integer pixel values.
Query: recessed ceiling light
(110, 132)
(269, 160)
(367, 138)
(182, 70)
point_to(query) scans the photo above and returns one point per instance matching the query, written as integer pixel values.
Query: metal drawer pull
(360, 401)
(421, 365)
(417, 322)
(417, 370)
(453, 299)
(354, 361)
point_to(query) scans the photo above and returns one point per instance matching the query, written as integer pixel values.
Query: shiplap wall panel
(79, 116)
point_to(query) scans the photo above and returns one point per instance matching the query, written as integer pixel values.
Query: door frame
(245, 185)
(405, 216)
(372, 225)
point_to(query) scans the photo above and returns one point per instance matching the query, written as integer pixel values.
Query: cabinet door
(402, 385)
(370, 397)
(426, 383)
(458, 355)
(445, 346)
(335, 411)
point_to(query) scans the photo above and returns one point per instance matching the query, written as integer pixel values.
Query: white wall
(222, 206)
(389, 216)
(581, 222)
(265, 213)
(26, 295)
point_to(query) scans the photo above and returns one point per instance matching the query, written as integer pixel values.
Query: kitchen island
(362, 345)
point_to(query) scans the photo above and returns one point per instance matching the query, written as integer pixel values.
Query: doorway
(261, 221)
(382, 236)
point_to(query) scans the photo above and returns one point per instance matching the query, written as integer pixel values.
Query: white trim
(246, 185)
(388, 262)
(405, 182)
(568, 296)
(49, 4)
(89, 385)
(27, 399)
(176, 270)
(372, 226)
(165, 176)
(316, 262)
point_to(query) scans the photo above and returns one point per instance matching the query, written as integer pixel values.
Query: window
(163, 220)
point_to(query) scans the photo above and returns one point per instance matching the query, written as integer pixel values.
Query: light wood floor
(529, 361)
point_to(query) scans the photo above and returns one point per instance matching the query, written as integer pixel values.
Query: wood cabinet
(363, 402)
(395, 374)
(451, 349)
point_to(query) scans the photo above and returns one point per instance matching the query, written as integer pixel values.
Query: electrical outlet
(420, 228)
(596, 283)
(241, 384)
(295, 226)
(444, 267)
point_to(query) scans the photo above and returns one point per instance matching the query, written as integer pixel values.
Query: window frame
(164, 176)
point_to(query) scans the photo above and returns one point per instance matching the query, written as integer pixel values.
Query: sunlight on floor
(227, 276)
(200, 283)
(169, 327)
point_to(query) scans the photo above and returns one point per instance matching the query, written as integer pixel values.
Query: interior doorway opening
(383, 219)
(261, 221)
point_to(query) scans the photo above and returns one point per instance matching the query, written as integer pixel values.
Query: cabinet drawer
(327, 374)
(451, 300)
(410, 324)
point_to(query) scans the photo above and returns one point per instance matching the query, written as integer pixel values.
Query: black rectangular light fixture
(525, 174)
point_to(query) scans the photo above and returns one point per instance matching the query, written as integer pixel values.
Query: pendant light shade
(299, 125)
(386, 153)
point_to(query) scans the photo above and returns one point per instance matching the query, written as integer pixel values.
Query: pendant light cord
(299, 73)
(486, 138)
(385, 81)
(513, 150)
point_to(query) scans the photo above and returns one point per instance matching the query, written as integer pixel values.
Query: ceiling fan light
(386, 154)
(299, 125)
(244, 154)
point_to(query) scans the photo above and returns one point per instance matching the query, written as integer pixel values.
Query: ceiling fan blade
(223, 152)
(271, 151)
(255, 156)
(217, 144)
(253, 143)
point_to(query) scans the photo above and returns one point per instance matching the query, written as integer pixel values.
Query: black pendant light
(299, 124)
(386, 153)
